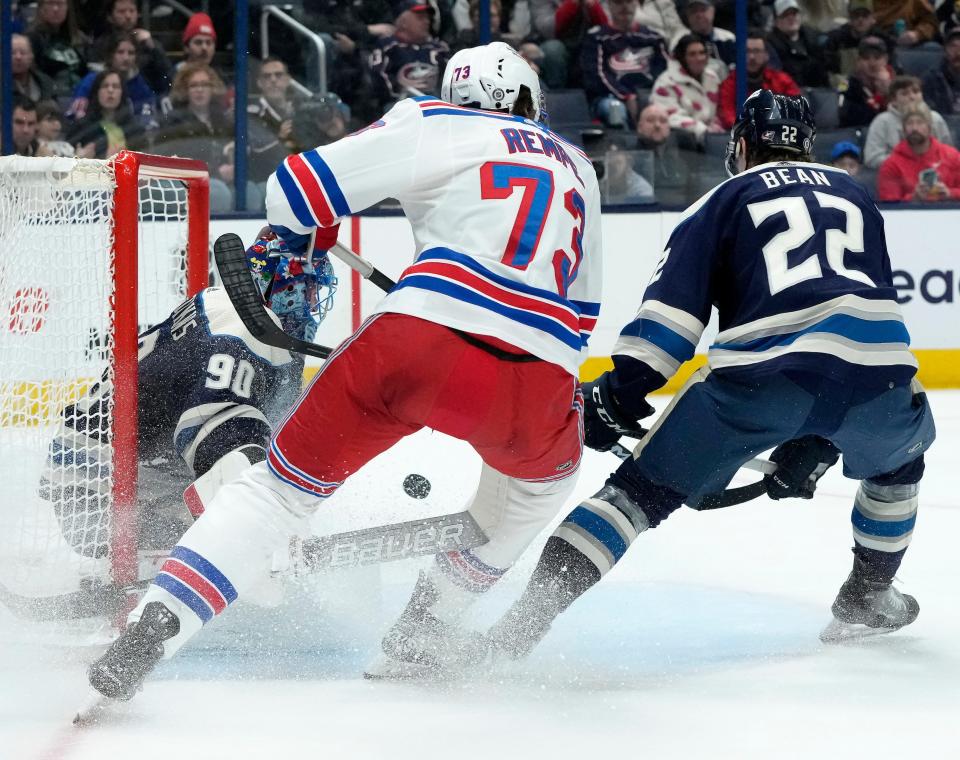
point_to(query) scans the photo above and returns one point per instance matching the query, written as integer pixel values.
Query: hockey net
(91, 252)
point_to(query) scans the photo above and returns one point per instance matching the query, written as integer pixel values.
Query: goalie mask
(298, 289)
(489, 77)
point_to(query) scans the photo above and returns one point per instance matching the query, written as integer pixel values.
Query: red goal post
(131, 169)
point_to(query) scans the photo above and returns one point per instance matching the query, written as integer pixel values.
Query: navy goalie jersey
(206, 387)
(794, 258)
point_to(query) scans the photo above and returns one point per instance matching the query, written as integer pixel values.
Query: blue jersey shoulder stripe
(329, 182)
(294, 197)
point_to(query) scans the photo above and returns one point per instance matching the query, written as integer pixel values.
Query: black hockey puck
(416, 486)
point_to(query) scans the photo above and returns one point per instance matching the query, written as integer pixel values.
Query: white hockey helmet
(489, 77)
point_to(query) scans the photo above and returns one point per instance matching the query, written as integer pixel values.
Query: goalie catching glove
(604, 420)
(800, 464)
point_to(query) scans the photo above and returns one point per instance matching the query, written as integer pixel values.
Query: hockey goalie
(208, 393)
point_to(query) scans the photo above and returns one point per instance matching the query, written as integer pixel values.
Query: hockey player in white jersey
(208, 394)
(482, 339)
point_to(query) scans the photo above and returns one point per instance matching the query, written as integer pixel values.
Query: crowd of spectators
(656, 78)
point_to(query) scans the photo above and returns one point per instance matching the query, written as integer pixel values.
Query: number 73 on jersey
(499, 180)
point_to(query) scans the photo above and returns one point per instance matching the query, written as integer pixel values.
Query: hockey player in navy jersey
(208, 394)
(481, 339)
(792, 254)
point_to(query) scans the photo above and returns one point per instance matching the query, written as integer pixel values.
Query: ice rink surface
(702, 643)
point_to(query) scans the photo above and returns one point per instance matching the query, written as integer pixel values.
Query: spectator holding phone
(921, 168)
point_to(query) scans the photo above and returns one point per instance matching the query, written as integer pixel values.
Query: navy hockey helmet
(768, 120)
(298, 289)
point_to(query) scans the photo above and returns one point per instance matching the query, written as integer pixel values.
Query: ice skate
(866, 608)
(119, 673)
(421, 646)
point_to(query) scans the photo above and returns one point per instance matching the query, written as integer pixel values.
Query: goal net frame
(138, 194)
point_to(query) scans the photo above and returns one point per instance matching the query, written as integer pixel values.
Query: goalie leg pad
(199, 494)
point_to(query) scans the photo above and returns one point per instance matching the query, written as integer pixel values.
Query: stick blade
(389, 543)
(231, 258)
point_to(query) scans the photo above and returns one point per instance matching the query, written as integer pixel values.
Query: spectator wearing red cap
(199, 40)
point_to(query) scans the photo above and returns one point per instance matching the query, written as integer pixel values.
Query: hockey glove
(603, 419)
(800, 463)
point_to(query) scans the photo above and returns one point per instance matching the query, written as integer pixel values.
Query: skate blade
(385, 668)
(839, 632)
(93, 709)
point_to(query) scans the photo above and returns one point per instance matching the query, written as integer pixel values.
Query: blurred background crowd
(646, 87)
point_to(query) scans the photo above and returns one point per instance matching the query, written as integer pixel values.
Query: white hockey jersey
(505, 217)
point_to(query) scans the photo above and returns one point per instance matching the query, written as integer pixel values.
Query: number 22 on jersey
(800, 229)
(498, 180)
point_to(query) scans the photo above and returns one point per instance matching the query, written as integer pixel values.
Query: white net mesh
(56, 372)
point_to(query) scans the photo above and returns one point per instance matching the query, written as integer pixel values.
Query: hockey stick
(388, 543)
(366, 270)
(231, 258)
(726, 498)
(369, 546)
(89, 601)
